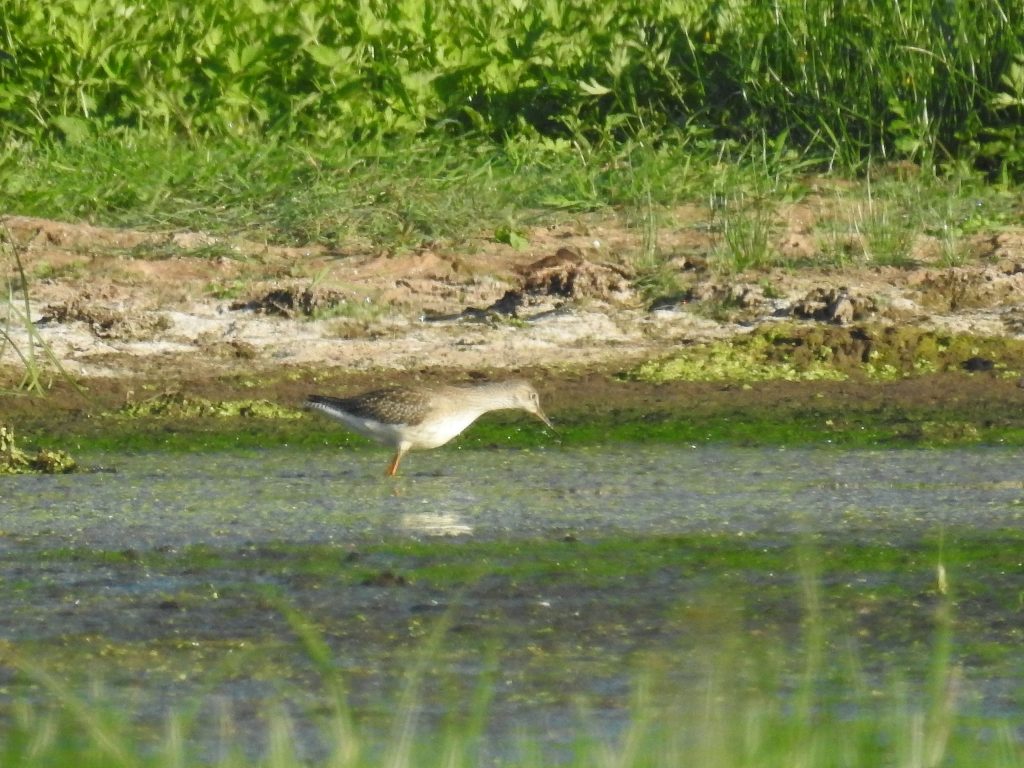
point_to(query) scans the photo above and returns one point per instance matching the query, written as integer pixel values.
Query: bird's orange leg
(393, 466)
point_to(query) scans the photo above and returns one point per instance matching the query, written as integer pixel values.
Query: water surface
(175, 499)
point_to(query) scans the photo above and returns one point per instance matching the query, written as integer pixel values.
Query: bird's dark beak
(540, 415)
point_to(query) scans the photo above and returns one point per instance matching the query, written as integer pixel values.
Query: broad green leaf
(74, 129)
(508, 235)
(325, 56)
(1006, 101)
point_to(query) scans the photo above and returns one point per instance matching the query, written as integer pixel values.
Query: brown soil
(129, 312)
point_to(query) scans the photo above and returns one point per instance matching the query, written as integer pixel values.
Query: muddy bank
(134, 316)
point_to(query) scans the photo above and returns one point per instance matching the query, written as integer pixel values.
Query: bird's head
(526, 398)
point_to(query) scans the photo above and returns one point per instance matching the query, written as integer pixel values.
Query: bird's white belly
(430, 434)
(435, 433)
(388, 434)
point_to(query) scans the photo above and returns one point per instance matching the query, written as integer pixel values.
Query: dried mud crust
(140, 306)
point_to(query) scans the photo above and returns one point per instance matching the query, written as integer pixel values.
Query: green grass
(452, 193)
(396, 127)
(407, 192)
(394, 196)
(716, 728)
(18, 334)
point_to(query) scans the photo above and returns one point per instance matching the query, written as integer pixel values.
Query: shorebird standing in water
(407, 418)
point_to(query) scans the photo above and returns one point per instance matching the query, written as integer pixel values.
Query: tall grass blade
(111, 742)
(32, 380)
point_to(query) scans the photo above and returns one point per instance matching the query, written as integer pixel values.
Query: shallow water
(156, 624)
(175, 499)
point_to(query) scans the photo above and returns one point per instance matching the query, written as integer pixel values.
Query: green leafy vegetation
(945, 78)
(403, 126)
(13, 460)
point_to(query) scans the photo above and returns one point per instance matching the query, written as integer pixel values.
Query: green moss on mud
(792, 352)
(815, 422)
(176, 405)
(756, 357)
(598, 561)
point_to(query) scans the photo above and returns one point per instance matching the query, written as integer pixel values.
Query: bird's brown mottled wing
(393, 405)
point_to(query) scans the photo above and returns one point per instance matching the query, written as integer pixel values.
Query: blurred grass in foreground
(798, 694)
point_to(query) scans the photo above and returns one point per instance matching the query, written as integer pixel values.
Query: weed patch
(787, 352)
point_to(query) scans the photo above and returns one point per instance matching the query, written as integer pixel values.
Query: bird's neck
(489, 397)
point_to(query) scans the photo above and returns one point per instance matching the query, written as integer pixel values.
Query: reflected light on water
(435, 524)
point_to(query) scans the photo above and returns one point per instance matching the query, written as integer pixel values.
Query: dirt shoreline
(131, 314)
